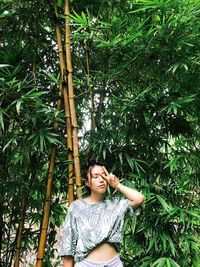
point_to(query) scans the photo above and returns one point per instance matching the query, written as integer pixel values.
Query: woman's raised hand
(110, 178)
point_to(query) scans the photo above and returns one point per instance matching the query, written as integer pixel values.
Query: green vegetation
(136, 74)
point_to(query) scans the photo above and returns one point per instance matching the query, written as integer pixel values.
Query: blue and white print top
(89, 224)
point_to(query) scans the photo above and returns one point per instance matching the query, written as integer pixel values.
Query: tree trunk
(72, 104)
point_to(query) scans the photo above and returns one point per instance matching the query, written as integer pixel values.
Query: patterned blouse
(89, 224)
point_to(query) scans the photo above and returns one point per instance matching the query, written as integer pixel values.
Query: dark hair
(92, 163)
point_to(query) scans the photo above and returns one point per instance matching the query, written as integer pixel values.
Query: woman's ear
(87, 183)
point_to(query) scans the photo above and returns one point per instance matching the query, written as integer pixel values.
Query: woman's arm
(68, 261)
(133, 195)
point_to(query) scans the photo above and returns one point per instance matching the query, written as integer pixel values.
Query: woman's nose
(100, 178)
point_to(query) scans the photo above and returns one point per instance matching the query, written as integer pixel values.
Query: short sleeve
(69, 235)
(127, 209)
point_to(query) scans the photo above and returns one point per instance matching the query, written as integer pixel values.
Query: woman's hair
(91, 163)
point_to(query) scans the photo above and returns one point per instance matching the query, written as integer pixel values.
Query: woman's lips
(102, 186)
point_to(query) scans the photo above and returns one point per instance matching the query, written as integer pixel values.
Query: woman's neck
(93, 197)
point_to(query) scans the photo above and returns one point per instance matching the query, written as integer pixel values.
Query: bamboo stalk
(25, 195)
(20, 230)
(93, 123)
(72, 103)
(67, 109)
(47, 204)
(45, 219)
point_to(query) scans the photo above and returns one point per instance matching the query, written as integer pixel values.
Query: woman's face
(95, 180)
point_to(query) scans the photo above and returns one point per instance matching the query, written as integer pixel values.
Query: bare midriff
(104, 252)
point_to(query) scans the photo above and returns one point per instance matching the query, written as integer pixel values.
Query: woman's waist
(103, 252)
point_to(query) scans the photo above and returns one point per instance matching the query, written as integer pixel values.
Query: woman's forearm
(133, 195)
(68, 261)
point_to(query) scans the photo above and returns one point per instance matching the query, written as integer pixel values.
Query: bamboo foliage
(25, 195)
(72, 103)
(67, 109)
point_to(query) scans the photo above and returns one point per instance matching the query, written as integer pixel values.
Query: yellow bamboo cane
(93, 123)
(45, 219)
(72, 103)
(47, 204)
(67, 109)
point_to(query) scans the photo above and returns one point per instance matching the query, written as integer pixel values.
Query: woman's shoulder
(76, 203)
(113, 200)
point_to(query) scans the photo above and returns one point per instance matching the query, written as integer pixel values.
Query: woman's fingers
(112, 176)
(103, 175)
(106, 172)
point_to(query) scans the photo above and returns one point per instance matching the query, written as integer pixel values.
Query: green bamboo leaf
(164, 242)
(7, 145)
(151, 243)
(143, 9)
(129, 160)
(42, 143)
(52, 140)
(59, 2)
(168, 263)
(185, 66)
(4, 65)
(133, 225)
(163, 203)
(173, 263)
(104, 153)
(18, 105)
(120, 158)
(159, 263)
(193, 213)
(1, 120)
(31, 95)
(172, 247)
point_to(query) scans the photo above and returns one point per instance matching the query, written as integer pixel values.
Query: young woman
(92, 231)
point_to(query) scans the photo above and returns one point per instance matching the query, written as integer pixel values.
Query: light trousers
(114, 262)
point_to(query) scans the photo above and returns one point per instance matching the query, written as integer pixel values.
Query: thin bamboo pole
(45, 219)
(93, 123)
(47, 205)
(20, 230)
(67, 109)
(72, 103)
